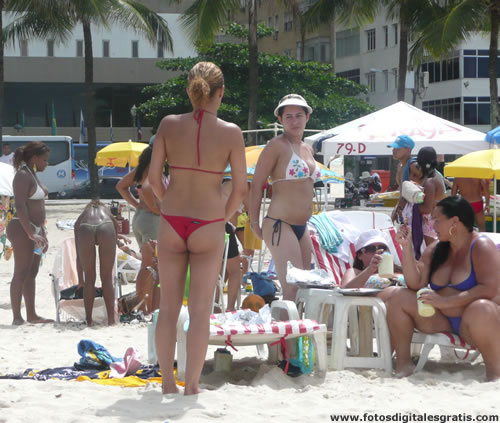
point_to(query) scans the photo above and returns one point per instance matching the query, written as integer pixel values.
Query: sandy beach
(254, 391)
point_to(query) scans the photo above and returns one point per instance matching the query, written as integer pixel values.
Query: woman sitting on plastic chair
(292, 168)
(370, 247)
(462, 269)
(198, 146)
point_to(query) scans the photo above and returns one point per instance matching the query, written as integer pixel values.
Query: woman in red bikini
(463, 270)
(198, 147)
(290, 164)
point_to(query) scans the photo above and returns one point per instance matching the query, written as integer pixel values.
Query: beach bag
(263, 285)
(76, 293)
(129, 303)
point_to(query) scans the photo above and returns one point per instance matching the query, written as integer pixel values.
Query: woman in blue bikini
(26, 231)
(198, 146)
(463, 270)
(290, 164)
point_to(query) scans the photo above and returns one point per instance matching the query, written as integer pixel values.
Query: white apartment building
(39, 74)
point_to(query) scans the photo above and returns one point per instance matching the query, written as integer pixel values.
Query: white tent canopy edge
(371, 134)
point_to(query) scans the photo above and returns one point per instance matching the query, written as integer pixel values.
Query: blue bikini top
(467, 283)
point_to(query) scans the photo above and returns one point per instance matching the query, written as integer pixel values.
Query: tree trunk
(302, 42)
(492, 68)
(333, 40)
(403, 55)
(253, 71)
(90, 118)
(2, 82)
(402, 67)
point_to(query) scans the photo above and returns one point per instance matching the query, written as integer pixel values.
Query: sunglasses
(374, 248)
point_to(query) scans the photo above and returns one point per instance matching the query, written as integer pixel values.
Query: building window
(276, 22)
(395, 30)
(385, 28)
(395, 73)
(270, 21)
(385, 73)
(476, 64)
(352, 75)
(310, 53)
(79, 48)
(370, 81)
(288, 52)
(23, 46)
(370, 39)
(445, 70)
(323, 53)
(347, 43)
(135, 48)
(288, 20)
(448, 108)
(50, 48)
(476, 110)
(105, 48)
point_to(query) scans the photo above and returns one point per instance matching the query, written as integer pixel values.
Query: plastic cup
(424, 310)
(386, 266)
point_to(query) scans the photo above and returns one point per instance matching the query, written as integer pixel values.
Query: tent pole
(494, 203)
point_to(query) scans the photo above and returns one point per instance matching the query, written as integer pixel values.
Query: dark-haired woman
(463, 270)
(147, 210)
(198, 146)
(434, 190)
(26, 231)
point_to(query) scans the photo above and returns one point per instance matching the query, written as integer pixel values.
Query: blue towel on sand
(329, 237)
(94, 355)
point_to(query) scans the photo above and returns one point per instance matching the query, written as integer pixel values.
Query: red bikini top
(198, 117)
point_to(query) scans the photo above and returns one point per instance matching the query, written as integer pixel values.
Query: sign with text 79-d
(349, 148)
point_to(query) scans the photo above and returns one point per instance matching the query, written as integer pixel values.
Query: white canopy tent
(370, 135)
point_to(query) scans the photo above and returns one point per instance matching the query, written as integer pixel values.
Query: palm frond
(204, 18)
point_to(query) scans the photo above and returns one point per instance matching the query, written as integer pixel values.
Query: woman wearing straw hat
(290, 164)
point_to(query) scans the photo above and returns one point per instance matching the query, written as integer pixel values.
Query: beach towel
(329, 237)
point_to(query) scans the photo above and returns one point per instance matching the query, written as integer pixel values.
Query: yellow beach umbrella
(483, 164)
(118, 154)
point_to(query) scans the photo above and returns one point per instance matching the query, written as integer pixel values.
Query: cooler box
(489, 223)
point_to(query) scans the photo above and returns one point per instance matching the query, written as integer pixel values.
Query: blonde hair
(204, 79)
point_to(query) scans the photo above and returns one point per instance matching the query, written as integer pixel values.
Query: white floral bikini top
(298, 169)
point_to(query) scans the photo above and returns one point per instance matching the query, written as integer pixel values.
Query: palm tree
(457, 21)
(38, 19)
(205, 18)
(2, 78)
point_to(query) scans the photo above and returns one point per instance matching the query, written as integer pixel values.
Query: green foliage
(334, 100)
(239, 31)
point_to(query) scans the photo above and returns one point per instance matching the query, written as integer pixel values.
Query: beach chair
(64, 275)
(275, 334)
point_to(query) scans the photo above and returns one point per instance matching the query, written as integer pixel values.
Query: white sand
(255, 391)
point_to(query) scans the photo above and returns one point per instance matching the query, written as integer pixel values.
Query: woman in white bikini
(292, 168)
(26, 231)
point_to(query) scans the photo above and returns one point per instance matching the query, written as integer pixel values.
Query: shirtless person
(472, 190)
(401, 151)
(96, 226)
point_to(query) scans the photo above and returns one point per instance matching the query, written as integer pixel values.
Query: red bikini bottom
(185, 226)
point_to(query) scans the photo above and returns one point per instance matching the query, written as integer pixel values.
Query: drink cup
(424, 310)
(223, 360)
(386, 266)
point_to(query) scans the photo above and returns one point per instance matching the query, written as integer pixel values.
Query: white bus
(58, 176)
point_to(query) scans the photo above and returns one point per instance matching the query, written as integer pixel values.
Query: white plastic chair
(218, 300)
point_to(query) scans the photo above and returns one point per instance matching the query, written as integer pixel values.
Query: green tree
(334, 100)
(458, 20)
(38, 19)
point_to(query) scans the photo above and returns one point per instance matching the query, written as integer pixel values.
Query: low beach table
(275, 334)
